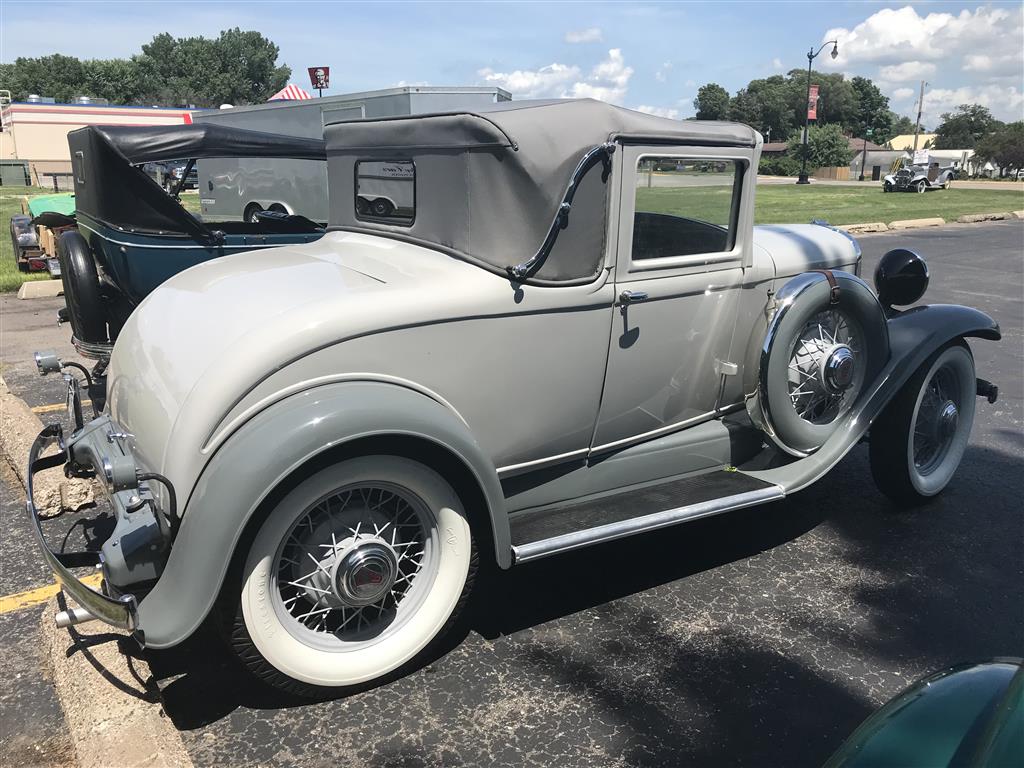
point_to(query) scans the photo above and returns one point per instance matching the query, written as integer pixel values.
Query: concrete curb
(974, 218)
(111, 701)
(1018, 214)
(18, 428)
(916, 223)
(40, 289)
(856, 229)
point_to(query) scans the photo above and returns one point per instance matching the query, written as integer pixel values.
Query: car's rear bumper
(120, 612)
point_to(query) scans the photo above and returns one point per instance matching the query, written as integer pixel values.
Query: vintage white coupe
(568, 332)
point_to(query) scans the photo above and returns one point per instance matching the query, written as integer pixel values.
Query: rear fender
(914, 336)
(268, 449)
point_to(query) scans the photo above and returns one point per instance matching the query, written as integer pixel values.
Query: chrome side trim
(567, 542)
(667, 429)
(547, 461)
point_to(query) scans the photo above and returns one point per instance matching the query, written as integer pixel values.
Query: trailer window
(386, 191)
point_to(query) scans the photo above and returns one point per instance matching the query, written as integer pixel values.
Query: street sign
(320, 78)
(812, 104)
(920, 157)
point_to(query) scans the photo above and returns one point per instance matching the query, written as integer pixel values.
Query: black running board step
(540, 533)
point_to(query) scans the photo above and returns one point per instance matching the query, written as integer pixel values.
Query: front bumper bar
(120, 612)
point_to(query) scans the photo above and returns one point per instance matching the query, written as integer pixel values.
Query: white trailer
(239, 189)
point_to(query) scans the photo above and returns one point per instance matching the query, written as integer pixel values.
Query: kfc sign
(320, 77)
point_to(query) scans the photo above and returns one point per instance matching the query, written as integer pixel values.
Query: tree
(1003, 147)
(901, 125)
(239, 67)
(712, 102)
(765, 105)
(872, 112)
(962, 129)
(827, 146)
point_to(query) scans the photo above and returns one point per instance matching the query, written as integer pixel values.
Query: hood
(209, 333)
(796, 248)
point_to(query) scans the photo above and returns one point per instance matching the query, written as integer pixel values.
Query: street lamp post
(811, 56)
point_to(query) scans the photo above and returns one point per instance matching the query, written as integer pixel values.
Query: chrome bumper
(121, 612)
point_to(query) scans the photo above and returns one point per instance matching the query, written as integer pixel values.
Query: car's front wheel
(918, 441)
(352, 574)
(922, 186)
(887, 187)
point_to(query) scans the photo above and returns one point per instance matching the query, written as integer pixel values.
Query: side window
(78, 163)
(386, 191)
(685, 206)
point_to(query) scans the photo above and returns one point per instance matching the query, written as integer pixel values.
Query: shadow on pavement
(850, 602)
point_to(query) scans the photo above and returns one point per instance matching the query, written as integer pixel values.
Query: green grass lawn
(790, 203)
(10, 205)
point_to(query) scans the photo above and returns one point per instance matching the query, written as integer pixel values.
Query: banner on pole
(812, 104)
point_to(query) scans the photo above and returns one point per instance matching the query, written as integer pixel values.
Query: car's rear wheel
(352, 575)
(252, 213)
(381, 207)
(917, 443)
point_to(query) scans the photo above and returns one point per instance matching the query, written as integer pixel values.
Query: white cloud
(777, 63)
(690, 83)
(894, 35)
(659, 111)
(908, 70)
(607, 81)
(663, 72)
(977, 63)
(533, 84)
(902, 94)
(1005, 101)
(590, 35)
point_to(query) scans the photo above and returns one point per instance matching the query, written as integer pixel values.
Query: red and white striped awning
(290, 92)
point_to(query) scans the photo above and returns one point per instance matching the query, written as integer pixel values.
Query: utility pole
(920, 106)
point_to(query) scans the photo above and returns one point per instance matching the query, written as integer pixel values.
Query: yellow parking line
(55, 407)
(38, 595)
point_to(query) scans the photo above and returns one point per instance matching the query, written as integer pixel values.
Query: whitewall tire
(919, 440)
(352, 574)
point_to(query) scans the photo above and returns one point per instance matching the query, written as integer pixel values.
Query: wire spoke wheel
(351, 566)
(936, 421)
(825, 369)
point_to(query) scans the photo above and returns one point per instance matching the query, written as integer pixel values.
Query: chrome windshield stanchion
(120, 612)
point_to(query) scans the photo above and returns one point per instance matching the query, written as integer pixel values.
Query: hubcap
(949, 417)
(365, 573)
(837, 372)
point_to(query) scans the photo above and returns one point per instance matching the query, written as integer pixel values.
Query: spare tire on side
(826, 342)
(82, 290)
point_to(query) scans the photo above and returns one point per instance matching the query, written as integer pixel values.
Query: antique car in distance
(131, 234)
(919, 178)
(544, 354)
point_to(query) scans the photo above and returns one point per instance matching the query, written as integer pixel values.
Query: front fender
(914, 336)
(265, 451)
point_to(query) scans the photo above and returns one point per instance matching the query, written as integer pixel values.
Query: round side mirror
(901, 278)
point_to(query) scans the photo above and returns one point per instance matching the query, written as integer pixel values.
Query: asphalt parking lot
(758, 638)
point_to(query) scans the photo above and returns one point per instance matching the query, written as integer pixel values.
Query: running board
(538, 534)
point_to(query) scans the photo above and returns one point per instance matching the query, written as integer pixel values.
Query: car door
(683, 244)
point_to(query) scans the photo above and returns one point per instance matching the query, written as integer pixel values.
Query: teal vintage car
(132, 234)
(964, 715)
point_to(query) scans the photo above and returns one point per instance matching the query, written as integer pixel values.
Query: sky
(643, 55)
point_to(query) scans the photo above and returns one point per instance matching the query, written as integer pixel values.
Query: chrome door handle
(632, 297)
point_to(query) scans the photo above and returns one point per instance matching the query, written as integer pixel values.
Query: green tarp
(61, 203)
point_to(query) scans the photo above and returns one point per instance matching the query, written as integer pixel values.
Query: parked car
(35, 230)
(315, 445)
(168, 175)
(964, 715)
(129, 236)
(918, 178)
